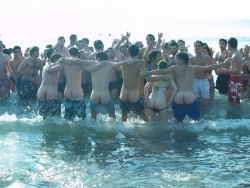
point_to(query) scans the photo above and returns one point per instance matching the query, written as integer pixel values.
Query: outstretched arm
(212, 67)
(55, 66)
(126, 62)
(80, 61)
(94, 67)
(157, 72)
(157, 78)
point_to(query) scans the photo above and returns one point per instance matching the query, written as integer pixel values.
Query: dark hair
(49, 46)
(223, 40)
(183, 57)
(198, 41)
(180, 40)
(55, 57)
(61, 37)
(208, 50)
(101, 56)
(73, 51)
(6, 51)
(166, 45)
(72, 37)
(233, 42)
(152, 55)
(16, 48)
(85, 40)
(49, 52)
(133, 50)
(33, 50)
(98, 44)
(162, 65)
(173, 43)
(151, 35)
(123, 46)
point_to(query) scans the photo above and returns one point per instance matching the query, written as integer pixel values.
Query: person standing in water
(185, 102)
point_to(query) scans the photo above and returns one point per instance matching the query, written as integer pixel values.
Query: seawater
(214, 152)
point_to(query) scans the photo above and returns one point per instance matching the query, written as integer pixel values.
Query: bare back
(130, 91)
(73, 76)
(100, 84)
(49, 88)
(184, 77)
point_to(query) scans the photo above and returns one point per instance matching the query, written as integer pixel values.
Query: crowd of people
(144, 80)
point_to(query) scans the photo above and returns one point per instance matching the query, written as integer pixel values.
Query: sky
(47, 19)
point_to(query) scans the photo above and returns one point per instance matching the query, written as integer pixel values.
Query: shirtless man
(100, 94)
(4, 68)
(73, 93)
(245, 68)
(60, 47)
(201, 83)
(131, 97)
(14, 64)
(246, 75)
(150, 39)
(235, 81)
(31, 70)
(222, 79)
(185, 102)
(173, 48)
(48, 102)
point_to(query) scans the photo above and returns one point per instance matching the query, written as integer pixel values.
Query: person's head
(173, 46)
(182, 57)
(85, 42)
(150, 40)
(61, 40)
(223, 44)
(198, 46)
(49, 52)
(49, 46)
(1, 45)
(111, 53)
(232, 43)
(98, 45)
(124, 50)
(181, 44)
(162, 65)
(246, 50)
(55, 57)
(133, 50)
(101, 56)
(139, 44)
(34, 51)
(154, 55)
(73, 52)
(206, 50)
(17, 51)
(7, 51)
(81, 55)
(80, 45)
(73, 39)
